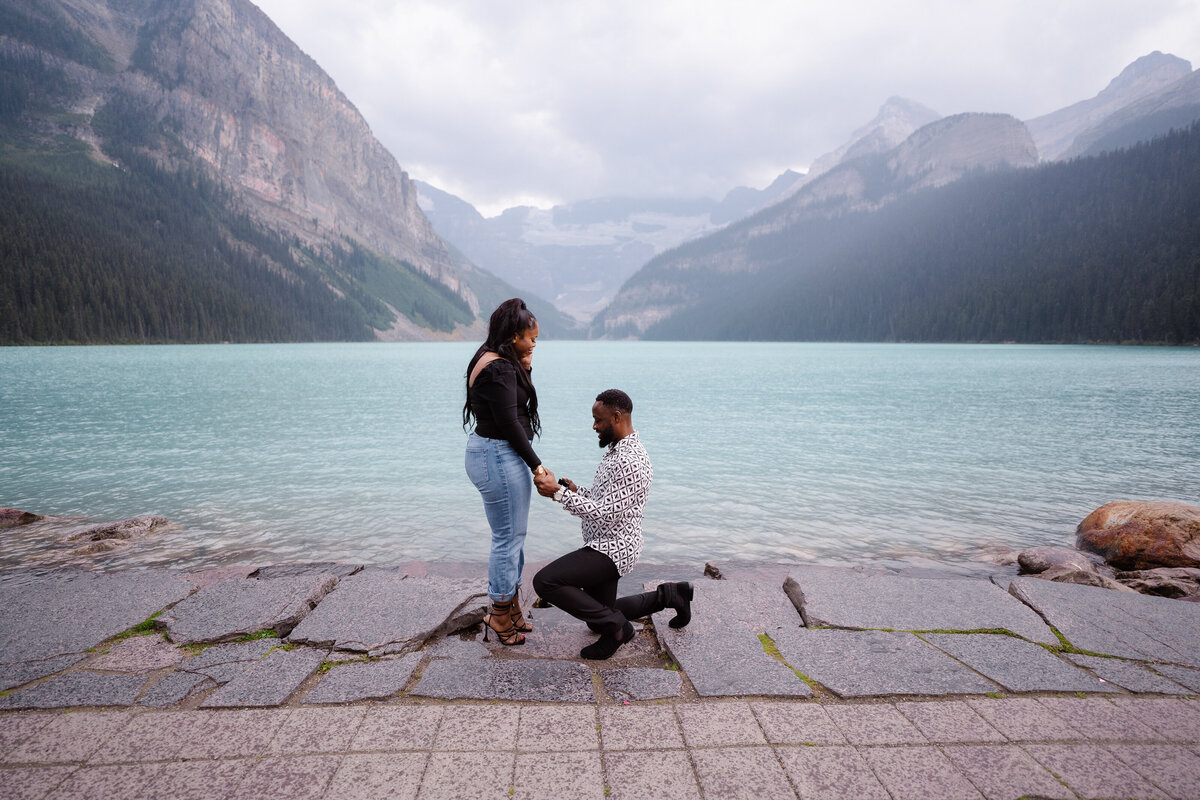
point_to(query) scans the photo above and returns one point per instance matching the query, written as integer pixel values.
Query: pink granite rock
(1134, 535)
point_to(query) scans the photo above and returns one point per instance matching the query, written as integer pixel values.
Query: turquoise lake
(834, 453)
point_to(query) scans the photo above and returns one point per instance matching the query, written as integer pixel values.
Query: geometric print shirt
(611, 509)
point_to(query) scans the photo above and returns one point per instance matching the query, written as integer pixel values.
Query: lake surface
(832, 453)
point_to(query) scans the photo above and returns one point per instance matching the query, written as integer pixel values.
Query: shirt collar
(632, 437)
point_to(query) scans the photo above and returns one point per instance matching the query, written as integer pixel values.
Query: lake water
(830, 453)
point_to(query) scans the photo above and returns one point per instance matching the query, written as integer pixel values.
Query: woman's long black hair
(509, 319)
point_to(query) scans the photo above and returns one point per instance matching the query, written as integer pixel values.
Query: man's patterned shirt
(611, 509)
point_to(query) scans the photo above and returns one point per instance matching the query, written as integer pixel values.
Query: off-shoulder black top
(501, 408)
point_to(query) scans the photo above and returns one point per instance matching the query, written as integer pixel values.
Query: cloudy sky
(508, 103)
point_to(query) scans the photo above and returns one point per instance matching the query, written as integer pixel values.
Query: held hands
(546, 483)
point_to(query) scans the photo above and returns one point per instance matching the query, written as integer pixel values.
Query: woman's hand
(527, 360)
(546, 483)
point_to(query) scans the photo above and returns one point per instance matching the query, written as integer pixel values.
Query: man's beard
(606, 438)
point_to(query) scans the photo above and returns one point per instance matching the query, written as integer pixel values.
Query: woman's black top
(501, 408)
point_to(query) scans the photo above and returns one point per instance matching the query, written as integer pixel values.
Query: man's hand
(546, 483)
(571, 485)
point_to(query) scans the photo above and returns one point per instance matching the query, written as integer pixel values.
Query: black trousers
(583, 583)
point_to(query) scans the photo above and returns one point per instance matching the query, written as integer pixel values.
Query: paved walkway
(336, 681)
(984, 747)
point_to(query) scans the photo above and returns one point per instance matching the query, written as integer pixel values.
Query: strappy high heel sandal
(499, 619)
(518, 619)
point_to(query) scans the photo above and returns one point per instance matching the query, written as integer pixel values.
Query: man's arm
(625, 494)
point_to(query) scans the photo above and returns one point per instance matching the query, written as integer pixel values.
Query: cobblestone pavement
(1061, 747)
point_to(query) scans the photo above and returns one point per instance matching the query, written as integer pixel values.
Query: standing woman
(500, 460)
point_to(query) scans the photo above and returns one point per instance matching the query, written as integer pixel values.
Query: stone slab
(371, 680)
(242, 606)
(641, 683)
(77, 689)
(507, 679)
(1181, 675)
(222, 674)
(873, 663)
(1122, 624)
(1004, 771)
(230, 653)
(52, 613)
(1129, 674)
(173, 689)
(336, 568)
(23, 672)
(721, 651)
(138, 654)
(557, 634)
(856, 600)
(1016, 664)
(375, 609)
(269, 682)
(457, 647)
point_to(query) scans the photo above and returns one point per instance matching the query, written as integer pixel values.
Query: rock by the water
(1178, 582)
(1135, 535)
(15, 518)
(125, 529)
(1039, 559)
(1082, 577)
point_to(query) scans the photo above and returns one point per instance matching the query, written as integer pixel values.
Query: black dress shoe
(605, 646)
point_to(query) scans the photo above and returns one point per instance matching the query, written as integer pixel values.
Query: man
(584, 583)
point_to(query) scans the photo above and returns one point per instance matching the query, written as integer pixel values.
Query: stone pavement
(338, 681)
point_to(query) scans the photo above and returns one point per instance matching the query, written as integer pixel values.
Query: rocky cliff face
(266, 117)
(241, 98)
(1054, 133)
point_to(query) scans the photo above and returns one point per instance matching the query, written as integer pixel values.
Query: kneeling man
(584, 583)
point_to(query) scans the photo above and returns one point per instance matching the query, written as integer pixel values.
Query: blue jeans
(506, 484)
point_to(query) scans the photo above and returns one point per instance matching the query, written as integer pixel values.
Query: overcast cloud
(507, 103)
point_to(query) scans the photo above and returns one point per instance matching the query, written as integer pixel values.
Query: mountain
(1055, 133)
(280, 200)
(897, 119)
(580, 254)
(1098, 249)
(1175, 106)
(936, 154)
(577, 255)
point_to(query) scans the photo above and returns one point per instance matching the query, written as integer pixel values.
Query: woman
(500, 460)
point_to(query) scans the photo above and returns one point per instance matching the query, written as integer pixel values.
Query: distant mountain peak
(1054, 133)
(897, 119)
(1157, 67)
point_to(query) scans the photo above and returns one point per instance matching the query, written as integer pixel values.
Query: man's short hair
(615, 399)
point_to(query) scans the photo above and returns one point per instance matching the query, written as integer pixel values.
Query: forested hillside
(1102, 249)
(98, 253)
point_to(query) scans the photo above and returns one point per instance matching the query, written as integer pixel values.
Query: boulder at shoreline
(1132, 535)
(15, 518)
(125, 529)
